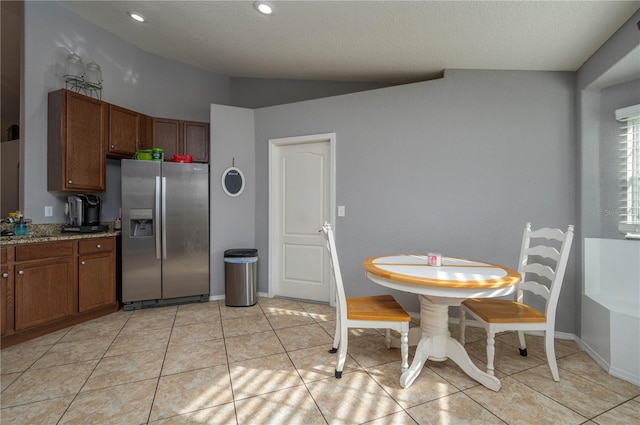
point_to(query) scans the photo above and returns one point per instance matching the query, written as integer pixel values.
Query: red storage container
(182, 158)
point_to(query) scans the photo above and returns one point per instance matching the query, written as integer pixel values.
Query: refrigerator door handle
(164, 218)
(157, 217)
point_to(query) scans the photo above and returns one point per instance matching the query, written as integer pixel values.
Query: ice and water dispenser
(141, 222)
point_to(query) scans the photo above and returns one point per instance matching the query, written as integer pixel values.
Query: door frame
(274, 146)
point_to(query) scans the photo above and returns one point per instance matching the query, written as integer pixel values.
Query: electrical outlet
(48, 211)
(341, 211)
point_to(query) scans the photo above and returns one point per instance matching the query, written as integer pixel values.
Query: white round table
(438, 288)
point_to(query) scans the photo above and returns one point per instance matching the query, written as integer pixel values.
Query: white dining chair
(378, 312)
(540, 263)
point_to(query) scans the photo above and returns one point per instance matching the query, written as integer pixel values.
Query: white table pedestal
(436, 343)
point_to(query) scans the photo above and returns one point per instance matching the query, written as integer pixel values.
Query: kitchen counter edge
(16, 240)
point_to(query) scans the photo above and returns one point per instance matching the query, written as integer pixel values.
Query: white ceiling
(368, 41)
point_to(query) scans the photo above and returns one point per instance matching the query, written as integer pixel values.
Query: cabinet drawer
(40, 251)
(90, 246)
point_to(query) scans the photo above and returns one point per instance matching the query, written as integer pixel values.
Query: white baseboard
(221, 297)
(613, 371)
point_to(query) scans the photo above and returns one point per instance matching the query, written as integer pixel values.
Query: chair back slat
(548, 233)
(535, 288)
(544, 251)
(539, 270)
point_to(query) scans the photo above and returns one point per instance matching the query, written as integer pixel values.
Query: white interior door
(301, 200)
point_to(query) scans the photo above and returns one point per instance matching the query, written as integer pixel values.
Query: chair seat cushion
(503, 311)
(381, 307)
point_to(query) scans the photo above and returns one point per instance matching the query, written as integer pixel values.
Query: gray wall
(260, 92)
(456, 165)
(232, 218)
(133, 79)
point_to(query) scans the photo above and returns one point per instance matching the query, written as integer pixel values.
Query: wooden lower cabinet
(6, 291)
(52, 285)
(96, 286)
(44, 292)
(6, 299)
(96, 274)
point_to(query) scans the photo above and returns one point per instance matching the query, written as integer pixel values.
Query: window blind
(629, 171)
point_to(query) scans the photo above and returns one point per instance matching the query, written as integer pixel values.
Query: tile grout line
(164, 358)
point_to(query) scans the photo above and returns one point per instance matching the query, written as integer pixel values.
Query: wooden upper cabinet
(124, 132)
(166, 135)
(129, 131)
(78, 128)
(182, 138)
(195, 136)
(146, 132)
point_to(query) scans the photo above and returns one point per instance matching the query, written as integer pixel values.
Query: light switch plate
(48, 211)
(341, 211)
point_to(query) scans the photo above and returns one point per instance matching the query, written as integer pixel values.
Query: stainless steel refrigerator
(165, 233)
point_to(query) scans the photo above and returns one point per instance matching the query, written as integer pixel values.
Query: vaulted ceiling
(374, 41)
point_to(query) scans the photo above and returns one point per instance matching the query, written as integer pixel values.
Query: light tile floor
(269, 364)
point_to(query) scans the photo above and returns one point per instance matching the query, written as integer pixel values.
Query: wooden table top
(453, 273)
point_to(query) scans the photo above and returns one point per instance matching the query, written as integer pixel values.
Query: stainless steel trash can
(241, 277)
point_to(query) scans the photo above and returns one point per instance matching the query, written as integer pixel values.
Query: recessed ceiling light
(136, 16)
(263, 7)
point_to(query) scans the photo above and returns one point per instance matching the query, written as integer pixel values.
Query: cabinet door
(195, 136)
(124, 132)
(166, 135)
(6, 300)
(96, 282)
(146, 132)
(44, 291)
(86, 133)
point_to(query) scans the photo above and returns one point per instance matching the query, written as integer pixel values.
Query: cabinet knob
(20, 271)
(70, 181)
(5, 275)
(98, 246)
(82, 262)
(113, 146)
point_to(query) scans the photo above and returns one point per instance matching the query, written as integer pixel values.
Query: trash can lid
(241, 252)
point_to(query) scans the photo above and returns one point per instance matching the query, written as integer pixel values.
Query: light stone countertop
(53, 232)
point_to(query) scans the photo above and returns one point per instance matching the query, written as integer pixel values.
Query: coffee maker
(84, 214)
